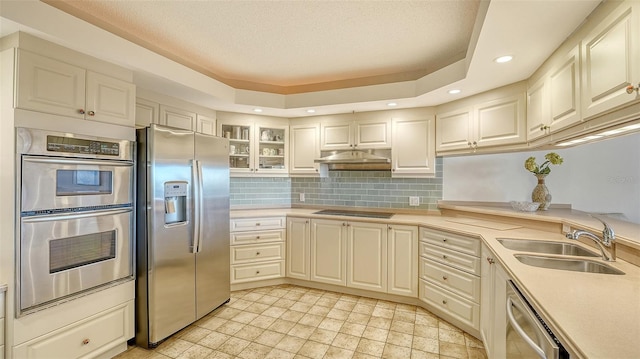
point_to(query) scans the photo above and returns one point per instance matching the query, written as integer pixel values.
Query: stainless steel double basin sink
(557, 255)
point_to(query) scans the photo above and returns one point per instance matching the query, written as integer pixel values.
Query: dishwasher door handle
(521, 332)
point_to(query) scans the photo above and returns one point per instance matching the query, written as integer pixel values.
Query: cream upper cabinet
(256, 147)
(147, 112)
(537, 110)
(611, 61)
(402, 251)
(298, 241)
(367, 256)
(328, 251)
(564, 92)
(413, 151)
(51, 86)
(206, 125)
(359, 134)
(178, 118)
(489, 123)
(305, 148)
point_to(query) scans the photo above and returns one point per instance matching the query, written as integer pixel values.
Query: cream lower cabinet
(329, 251)
(298, 241)
(493, 303)
(257, 249)
(367, 256)
(450, 276)
(402, 260)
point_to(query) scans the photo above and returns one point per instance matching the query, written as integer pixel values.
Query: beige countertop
(594, 315)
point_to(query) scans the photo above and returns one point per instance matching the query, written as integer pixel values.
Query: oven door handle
(521, 332)
(70, 216)
(77, 161)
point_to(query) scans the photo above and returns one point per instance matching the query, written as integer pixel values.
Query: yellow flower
(551, 158)
(530, 164)
(554, 158)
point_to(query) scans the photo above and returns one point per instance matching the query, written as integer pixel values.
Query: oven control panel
(79, 145)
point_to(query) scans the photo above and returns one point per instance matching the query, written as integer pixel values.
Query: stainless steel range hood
(356, 160)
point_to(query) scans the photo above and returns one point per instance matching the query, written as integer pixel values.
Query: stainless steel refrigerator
(182, 230)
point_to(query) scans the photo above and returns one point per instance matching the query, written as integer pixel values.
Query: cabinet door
(537, 110)
(336, 136)
(486, 301)
(501, 122)
(110, 100)
(564, 92)
(367, 256)
(241, 146)
(178, 118)
(305, 148)
(402, 251)
(611, 61)
(413, 151)
(453, 130)
(372, 134)
(272, 150)
(206, 125)
(298, 235)
(328, 251)
(50, 86)
(500, 278)
(147, 112)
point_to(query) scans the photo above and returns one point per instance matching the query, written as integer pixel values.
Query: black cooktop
(341, 212)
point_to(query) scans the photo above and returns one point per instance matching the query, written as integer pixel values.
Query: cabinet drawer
(456, 242)
(465, 262)
(87, 338)
(456, 306)
(257, 253)
(258, 237)
(251, 272)
(462, 283)
(253, 224)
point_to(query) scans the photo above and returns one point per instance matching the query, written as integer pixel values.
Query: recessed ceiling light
(391, 104)
(454, 91)
(257, 110)
(311, 110)
(503, 59)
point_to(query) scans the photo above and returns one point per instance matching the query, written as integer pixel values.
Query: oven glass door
(58, 183)
(62, 255)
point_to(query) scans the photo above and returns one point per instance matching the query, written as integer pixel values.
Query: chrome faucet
(608, 240)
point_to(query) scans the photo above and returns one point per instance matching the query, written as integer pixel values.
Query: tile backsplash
(374, 189)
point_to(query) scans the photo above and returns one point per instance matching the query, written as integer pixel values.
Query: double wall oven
(76, 221)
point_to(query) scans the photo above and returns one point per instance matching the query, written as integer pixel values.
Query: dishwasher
(528, 337)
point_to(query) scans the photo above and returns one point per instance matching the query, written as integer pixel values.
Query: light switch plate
(414, 201)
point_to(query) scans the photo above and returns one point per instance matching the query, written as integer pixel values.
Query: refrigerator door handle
(196, 205)
(200, 203)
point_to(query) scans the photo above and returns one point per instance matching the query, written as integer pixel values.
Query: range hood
(356, 160)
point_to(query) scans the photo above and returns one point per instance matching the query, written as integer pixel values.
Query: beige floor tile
(382, 312)
(367, 301)
(374, 333)
(345, 305)
(254, 351)
(293, 296)
(332, 295)
(346, 341)
(173, 347)
(338, 353)
(358, 318)
(319, 310)
(370, 347)
(263, 321)
(449, 336)
(252, 296)
(256, 308)
(196, 352)
(326, 302)
(425, 331)
(302, 331)
(277, 292)
(419, 354)
(245, 317)
(339, 314)
(395, 352)
(476, 353)
(267, 299)
(239, 304)
(381, 323)
(214, 340)
(386, 304)
(194, 334)
(358, 355)
(472, 342)
(229, 312)
(282, 326)
(311, 320)
(211, 323)
(284, 303)
(290, 344)
(274, 312)
(353, 329)
(219, 355)
(313, 350)
(445, 325)
(134, 353)
(400, 339)
(269, 338)
(453, 350)
(249, 333)
(331, 324)
(363, 308)
(292, 315)
(233, 346)
(230, 327)
(323, 336)
(402, 327)
(427, 319)
(426, 345)
(403, 316)
(301, 307)
(279, 354)
(406, 307)
(309, 298)
(350, 298)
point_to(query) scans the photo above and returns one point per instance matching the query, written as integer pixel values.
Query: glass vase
(541, 194)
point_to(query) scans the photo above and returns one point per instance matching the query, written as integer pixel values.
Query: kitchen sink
(548, 247)
(571, 264)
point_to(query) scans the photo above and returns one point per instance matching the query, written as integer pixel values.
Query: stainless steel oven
(528, 336)
(76, 216)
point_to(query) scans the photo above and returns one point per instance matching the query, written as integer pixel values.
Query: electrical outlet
(414, 201)
(301, 197)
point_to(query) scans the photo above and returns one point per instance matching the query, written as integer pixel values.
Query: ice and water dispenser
(175, 202)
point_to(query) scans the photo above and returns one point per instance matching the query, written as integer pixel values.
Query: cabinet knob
(389, 228)
(257, 253)
(444, 301)
(257, 224)
(91, 113)
(307, 222)
(256, 170)
(632, 88)
(444, 239)
(257, 272)
(257, 237)
(393, 170)
(86, 341)
(81, 111)
(490, 260)
(444, 277)
(316, 170)
(344, 224)
(444, 256)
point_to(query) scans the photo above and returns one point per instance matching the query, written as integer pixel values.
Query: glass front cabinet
(256, 148)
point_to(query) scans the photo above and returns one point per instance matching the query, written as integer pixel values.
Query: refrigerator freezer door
(171, 261)
(212, 259)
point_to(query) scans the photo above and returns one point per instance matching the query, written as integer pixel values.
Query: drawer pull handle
(257, 253)
(86, 341)
(444, 277)
(490, 260)
(257, 237)
(257, 272)
(444, 301)
(257, 224)
(444, 256)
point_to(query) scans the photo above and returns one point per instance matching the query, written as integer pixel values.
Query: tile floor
(289, 321)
